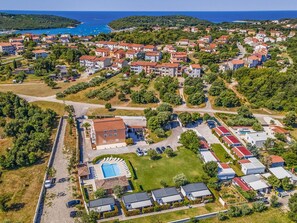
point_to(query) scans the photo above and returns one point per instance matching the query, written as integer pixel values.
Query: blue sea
(97, 22)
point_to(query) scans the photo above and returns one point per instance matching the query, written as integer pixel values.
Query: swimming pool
(110, 170)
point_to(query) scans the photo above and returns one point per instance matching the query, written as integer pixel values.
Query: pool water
(243, 132)
(110, 170)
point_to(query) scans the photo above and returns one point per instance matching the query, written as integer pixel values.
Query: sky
(149, 5)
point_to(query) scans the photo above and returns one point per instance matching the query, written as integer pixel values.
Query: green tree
(286, 184)
(259, 206)
(185, 118)
(164, 107)
(245, 112)
(152, 154)
(274, 201)
(290, 119)
(257, 127)
(169, 152)
(274, 182)
(108, 106)
(180, 180)
(293, 207)
(211, 168)
(118, 191)
(189, 140)
(100, 193)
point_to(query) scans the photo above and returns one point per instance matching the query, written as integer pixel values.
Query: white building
(7, 48)
(257, 138)
(251, 166)
(194, 70)
(280, 173)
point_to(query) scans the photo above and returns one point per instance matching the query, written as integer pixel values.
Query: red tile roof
(5, 44)
(230, 140)
(196, 66)
(276, 159)
(241, 184)
(168, 65)
(225, 165)
(143, 63)
(241, 151)
(220, 130)
(107, 124)
(237, 62)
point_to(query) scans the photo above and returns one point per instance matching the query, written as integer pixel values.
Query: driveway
(54, 209)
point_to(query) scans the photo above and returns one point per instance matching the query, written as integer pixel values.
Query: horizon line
(43, 10)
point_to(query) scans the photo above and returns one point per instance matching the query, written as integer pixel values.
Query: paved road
(81, 108)
(55, 210)
(242, 51)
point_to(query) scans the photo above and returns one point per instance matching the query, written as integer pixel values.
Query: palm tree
(86, 125)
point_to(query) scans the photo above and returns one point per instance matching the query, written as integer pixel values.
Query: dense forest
(28, 126)
(150, 21)
(23, 22)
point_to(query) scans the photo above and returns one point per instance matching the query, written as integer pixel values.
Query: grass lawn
(175, 215)
(221, 153)
(152, 136)
(115, 112)
(269, 216)
(35, 89)
(150, 173)
(57, 107)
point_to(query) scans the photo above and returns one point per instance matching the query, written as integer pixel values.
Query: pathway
(55, 210)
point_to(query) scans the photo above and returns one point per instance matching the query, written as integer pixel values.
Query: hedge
(110, 214)
(129, 213)
(148, 210)
(177, 204)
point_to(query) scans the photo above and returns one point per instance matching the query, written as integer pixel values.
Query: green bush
(148, 210)
(110, 214)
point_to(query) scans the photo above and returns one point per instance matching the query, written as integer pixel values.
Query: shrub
(177, 204)
(110, 214)
(148, 210)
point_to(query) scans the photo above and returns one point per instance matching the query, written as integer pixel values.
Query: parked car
(163, 148)
(48, 183)
(211, 124)
(158, 150)
(169, 147)
(145, 152)
(72, 203)
(139, 152)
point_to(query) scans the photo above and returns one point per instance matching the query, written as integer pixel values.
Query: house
(119, 64)
(225, 172)
(107, 44)
(194, 70)
(40, 54)
(183, 42)
(236, 64)
(178, 57)
(16, 40)
(7, 48)
(147, 67)
(94, 63)
(257, 138)
(231, 141)
(242, 152)
(167, 69)
(148, 48)
(281, 173)
(134, 46)
(131, 54)
(108, 131)
(251, 166)
(83, 171)
(196, 191)
(137, 201)
(206, 39)
(166, 195)
(237, 181)
(253, 61)
(153, 56)
(109, 183)
(222, 131)
(276, 161)
(169, 49)
(208, 156)
(101, 205)
(102, 52)
(256, 183)
(278, 129)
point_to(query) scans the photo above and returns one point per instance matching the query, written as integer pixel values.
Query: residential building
(102, 52)
(40, 54)
(194, 70)
(167, 69)
(153, 56)
(253, 61)
(281, 173)
(251, 166)
(119, 64)
(94, 63)
(7, 48)
(147, 67)
(108, 184)
(183, 42)
(169, 49)
(225, 172)
(148, 48)
(257, 138)
(242, 152)
(236, 64)
(276, 161)
(137, 201)
(131, 54)
(101, 205)
(208, 156)
(222, 131)
(16, 40)
(108, 131)
(196, 191)
(107, 44)
(166, 195)
(178, 57)
(231, 141)
(256, 183)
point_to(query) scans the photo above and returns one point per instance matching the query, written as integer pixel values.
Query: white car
(48, 184)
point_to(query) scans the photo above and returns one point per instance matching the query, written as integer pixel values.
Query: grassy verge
(269, 216)
(152, 136)
(57, 107)
(221, 153)
(115, 112)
